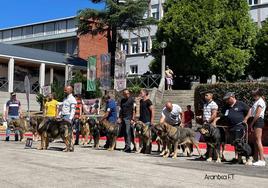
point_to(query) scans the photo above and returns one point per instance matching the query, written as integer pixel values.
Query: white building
(258, 10)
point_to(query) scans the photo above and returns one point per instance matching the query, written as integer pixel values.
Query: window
(135, 48)
(133, 69)
(61, 26)
(6, 35)
(125, 47)
(253, 2)
(28, 31)
(16, 33)
(155, 15)
(38, 30)
(49, 28)
(144, 46)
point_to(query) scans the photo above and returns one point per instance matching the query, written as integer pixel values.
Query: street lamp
(163, 45)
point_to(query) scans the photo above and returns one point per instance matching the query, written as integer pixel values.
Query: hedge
(242, 92)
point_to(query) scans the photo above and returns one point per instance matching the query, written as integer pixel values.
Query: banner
(78, 88)
(91, 73)
(46, 90)
(105, 77)
(120, 81)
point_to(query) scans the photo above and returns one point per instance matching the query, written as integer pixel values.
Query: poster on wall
(46, 90)
(78, 88)
(120, 81)
(91, 73)
(105, 77)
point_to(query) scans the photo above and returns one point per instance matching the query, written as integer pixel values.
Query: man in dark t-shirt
(146, 108)
(126, 117)
(235, 113)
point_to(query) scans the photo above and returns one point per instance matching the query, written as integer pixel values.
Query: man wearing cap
(235, 112)
(13, 111)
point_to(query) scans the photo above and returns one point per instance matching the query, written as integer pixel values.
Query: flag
(91, 73)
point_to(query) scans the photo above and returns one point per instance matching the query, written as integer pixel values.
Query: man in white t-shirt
(68, 104)
(172, 114)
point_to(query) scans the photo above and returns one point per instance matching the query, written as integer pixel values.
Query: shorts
(236, 134)
(259, 123)
(169, 81)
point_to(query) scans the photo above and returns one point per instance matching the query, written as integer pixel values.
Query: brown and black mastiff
(144, 133)
(55, 128)
(177, 136)
(85, 130)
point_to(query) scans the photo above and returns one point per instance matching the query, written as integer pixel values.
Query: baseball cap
(228, 95)
(13, 94)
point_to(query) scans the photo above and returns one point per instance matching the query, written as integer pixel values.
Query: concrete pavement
(87, 167)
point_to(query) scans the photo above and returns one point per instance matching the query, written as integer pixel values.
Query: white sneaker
(259, 163)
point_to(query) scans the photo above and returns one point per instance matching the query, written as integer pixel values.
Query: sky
(20, 12)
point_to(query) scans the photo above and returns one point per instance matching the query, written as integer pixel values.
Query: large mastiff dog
(215, 138)
(55, 128)
(25, 124)
(177, 136)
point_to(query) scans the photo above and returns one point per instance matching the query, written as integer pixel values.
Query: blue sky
(20, 12)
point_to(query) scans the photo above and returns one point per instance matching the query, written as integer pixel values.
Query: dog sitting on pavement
(177, 136)
(243, 149)
(215, 138)
(85, 130)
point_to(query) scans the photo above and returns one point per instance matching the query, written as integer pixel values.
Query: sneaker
(127, 150)
(259, 163)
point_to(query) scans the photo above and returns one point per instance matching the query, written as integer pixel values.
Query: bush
(242, 92)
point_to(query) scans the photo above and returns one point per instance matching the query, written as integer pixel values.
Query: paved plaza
(87, 167)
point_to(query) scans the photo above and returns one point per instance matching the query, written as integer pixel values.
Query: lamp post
(163, 45)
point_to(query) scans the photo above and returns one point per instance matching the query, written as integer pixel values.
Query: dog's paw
(218, 160)
(162, 153)
(209, 159)
(174, 156)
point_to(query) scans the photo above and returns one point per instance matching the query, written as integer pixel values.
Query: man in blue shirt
(13, 112)
(110, 112)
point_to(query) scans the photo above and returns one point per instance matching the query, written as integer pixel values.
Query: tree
(117, 15)
(207, 37)
(259, 65)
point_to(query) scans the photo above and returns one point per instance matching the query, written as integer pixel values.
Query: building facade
(258, 10)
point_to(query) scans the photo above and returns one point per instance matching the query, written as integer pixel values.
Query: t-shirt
(13, 107)
(188, 116)
(78, 108)
(67, 104)
(51, 108)
(207, 110)
(145, 113)
(173, 117)
(111, 108)
(235, 114)
(127, 107)
(261, 103)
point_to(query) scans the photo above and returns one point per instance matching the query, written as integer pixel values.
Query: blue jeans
(8, 131)
(127, 135)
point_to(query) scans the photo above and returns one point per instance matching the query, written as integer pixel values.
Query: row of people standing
(236, 113)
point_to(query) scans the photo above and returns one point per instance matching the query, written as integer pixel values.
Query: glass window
(61, 46)
(135, 48)
(6, 35)
(125, 47)
(144, 46)
(28, 31)
(133, 69)
(38, 30)
(71, 25)
(253, 2)
(61, 26)
(16, 33)
(50, 28)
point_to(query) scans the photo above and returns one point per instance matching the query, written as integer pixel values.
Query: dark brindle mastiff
(55, 128)
(215, 138)
(113, 131)
(177, 136)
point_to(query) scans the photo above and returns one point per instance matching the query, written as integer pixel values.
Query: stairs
(180, 97)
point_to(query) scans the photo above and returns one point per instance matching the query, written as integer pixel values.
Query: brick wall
(89, 45)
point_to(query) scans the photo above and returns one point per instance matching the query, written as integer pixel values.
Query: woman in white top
(257, 112)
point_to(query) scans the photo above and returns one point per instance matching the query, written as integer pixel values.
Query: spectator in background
(13, 112)
(257, 112)
(169, 78)
(188, 117)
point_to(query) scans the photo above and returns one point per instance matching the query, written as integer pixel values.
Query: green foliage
(207, 37)
(79, 77)
(58, 89)
(259, 65)
(135, 89)
(242, 92)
